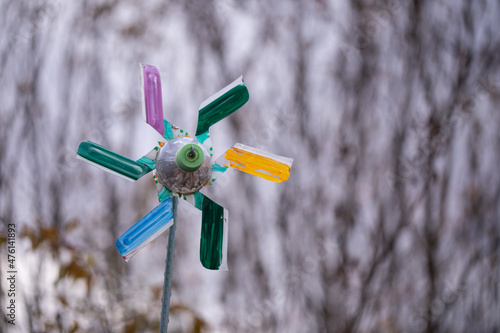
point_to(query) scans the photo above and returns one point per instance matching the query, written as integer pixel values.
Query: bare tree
(389, 221)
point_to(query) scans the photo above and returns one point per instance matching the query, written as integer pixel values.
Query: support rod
(169, 267)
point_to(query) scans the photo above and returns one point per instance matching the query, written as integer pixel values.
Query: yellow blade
(258, 163)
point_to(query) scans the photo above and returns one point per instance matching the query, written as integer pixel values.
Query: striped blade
(146, 230)
(254, 161)
(221, 105)
(112, 162)
(213, 243)
(152, 107)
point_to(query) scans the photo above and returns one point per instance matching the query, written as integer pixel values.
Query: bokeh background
(390, 221)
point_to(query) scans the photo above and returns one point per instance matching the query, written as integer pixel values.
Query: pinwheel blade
(213, 243)
(112, 162)
(221, 105)
(253, 161)
(152, 105)
(146, 230)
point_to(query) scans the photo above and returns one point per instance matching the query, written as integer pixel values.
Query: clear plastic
(175, 179)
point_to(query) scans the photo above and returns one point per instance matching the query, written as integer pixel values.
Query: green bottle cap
(190, 157)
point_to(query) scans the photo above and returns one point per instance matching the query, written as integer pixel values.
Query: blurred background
(388, 223)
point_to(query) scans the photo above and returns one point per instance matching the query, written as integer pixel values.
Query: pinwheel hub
(183, 165)
(189, 158)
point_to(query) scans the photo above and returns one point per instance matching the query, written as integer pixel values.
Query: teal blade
(195, 199)
(112, 162)
(221, 105)
(172, 131)
(150, 158)
(218, 168)
(213, 243)
(163, 192)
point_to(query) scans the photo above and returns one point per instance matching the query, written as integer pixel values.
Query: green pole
(169, 267)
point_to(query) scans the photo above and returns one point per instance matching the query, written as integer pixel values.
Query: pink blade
(151, 93)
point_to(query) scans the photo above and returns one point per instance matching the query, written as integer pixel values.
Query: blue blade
(146, 230)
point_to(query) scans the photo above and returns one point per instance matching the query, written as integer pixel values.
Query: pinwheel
(182, 165)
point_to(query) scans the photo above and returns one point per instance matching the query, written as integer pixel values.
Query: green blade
(221, 105)
(112, 162)
(213, 244)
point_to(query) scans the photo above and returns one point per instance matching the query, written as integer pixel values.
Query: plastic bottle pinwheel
(182, 165)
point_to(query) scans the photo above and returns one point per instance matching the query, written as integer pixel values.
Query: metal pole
(169, 267)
